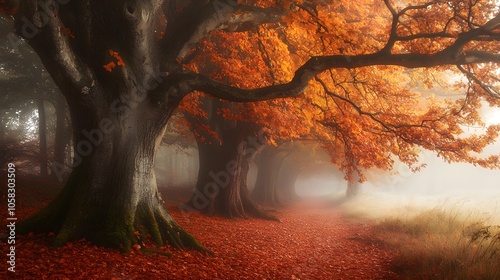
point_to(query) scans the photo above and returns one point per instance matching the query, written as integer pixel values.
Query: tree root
(117, 230)
(262, 214)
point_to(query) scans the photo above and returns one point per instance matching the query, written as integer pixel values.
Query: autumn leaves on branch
(362, 73)
(454, 53)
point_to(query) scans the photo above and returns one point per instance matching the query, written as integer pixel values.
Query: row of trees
(357, 78)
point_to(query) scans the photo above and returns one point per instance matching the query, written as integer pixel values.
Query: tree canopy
(366, 105)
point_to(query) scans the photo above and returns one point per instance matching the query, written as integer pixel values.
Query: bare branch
(488, 89)
(441, 34)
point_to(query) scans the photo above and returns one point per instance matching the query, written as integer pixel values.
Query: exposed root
(48, 219)
(259, 213)
(149, 251)
(162, 228)
(117, 231)
(243, 211)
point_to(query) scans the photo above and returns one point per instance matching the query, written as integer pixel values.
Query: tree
(268, 161)
(347, 108)
(62, 139)
(279, 168)
(121, 67)
(225, 149)
(42, 138)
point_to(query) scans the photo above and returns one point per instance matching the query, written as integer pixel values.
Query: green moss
(192, 243)
(146, 221)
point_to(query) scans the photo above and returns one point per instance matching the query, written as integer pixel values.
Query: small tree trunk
(265, 190)
(221, 188)
(211, 163)
(353, 189)
(288, 177)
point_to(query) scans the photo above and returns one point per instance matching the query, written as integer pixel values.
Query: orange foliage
(119, 60)
(363, 116)
(112, 65)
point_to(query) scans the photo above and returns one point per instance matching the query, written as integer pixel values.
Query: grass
(438, 243)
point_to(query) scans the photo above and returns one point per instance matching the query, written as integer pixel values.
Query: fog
(462, 185)
(439, 183)
(470, 188)
(176, 166)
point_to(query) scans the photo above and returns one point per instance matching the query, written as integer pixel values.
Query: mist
(439, 184)
(176, 166)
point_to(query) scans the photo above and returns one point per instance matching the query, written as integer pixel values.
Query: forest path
(311, 242)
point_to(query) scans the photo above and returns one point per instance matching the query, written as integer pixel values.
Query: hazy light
(492, 116)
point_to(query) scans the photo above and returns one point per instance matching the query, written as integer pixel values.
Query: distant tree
(268, 162)
(278, 168)
(225, 149)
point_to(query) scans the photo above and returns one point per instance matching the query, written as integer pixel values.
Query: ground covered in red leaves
(309, 243)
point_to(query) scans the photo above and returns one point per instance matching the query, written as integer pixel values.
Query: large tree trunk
(221, 188)
(112, 190)
(42, 137)
(105, 58)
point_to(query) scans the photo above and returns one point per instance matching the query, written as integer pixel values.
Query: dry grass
(438, 243)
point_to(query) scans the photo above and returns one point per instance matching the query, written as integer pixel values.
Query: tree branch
(202, 17)
(488, 89)
(51, 44)
(316, 65)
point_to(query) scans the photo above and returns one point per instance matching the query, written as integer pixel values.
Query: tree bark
(221, 188)
(288, 177)
(112, 192)
(42, 137)
(266, 188)
(120, 102)
(354, 187)
(61, 141)
(353, 190)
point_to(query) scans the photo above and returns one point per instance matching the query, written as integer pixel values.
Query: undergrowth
(442, 244)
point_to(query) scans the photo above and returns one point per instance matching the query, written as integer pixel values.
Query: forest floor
(310, 242)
